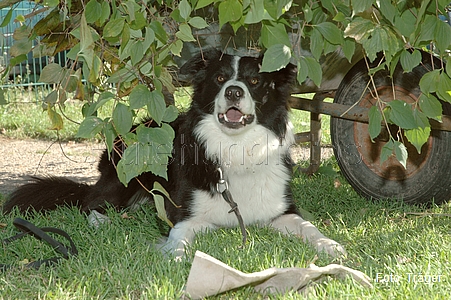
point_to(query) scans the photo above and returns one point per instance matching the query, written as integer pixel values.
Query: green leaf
(273, 33)
(276, 58)
(156, 106)
(137, 52)
(348, 49)
(431, 106)
(105, 14)
(69, 81)
(203, 3)
(22, 46)
(51, 3)
(410, 60)
(139, 96)
(420, 118)
(256, 12)
(418, 136)
(122, 75)
(308, 13)
(51, 98)
(93, 11)
(400, 153)
(198, 22)
(169, 131)
(52, 73)
(185, 9)
(7, 18)
(122, 118)
(159, 188)
(161, 211)
(302, 70)
(110, 135)
(330, 32)
(176, 48)
(55, 119)
(140, 21)
(316, 43)
(154, 135)
(159, 31)
(16, 60)
(102, 100)
(339, 17)
(375, 120)
(229, 11)
(444, 87)
(426, 28)
(359, 29)
(388, 10)
(359, 6)
(185, 33)
(276, 9)
(133, 162)
(406, 23)
(170, 114)
(86, 42)
(429, 82)
(89, 127)
(442, 36)
(401, 114)
(315, 72)
(166, 79)
(113, 28)
(381, 39)
(387, 151)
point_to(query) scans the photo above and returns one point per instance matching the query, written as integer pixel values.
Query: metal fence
(23, 78)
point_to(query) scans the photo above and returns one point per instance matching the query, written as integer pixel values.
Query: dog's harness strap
(222, 187)
(40, 234)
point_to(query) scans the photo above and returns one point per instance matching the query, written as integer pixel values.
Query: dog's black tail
(47, 194)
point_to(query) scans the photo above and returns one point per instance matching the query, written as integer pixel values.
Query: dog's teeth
(225, 118)
(241, 119)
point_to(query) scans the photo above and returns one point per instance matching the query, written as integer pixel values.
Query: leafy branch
(123, 52)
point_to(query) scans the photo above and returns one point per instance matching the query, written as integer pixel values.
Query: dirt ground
(22, 158)
(76, 161)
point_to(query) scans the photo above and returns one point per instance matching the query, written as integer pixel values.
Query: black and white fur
(238, 121)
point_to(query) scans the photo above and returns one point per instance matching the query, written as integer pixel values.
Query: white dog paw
(330, 247)
(172, 250)
(95, 219)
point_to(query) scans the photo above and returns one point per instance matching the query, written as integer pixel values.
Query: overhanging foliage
(125, 51)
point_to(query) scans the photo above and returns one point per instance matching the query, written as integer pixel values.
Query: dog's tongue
(234, 115)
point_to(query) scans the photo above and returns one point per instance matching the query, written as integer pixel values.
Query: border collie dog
(238, 122)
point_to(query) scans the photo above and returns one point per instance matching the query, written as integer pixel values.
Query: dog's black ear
(290, 72)
(287, 75)
(200, 61)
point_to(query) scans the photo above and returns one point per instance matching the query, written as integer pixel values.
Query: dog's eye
(254, 80)
(220, 78)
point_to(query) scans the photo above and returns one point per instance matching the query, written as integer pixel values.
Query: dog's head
(233, 89)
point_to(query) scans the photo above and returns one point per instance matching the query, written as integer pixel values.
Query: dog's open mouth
(234, 118)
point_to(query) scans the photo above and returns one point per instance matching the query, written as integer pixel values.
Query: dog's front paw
(330, 247)
(96, 219)
(171, 249)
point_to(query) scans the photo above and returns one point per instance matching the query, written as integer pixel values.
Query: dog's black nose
(234, 93)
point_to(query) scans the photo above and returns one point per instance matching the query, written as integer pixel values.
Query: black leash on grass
(28, 228)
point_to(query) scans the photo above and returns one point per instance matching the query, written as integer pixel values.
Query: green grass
(117, 261)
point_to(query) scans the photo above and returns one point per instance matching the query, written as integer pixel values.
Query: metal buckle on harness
(222, 184)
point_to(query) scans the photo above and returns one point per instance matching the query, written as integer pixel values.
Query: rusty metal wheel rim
(370, 151)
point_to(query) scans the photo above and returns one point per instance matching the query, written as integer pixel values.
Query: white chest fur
(252, 162)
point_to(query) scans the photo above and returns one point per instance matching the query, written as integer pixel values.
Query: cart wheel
(427, 177)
